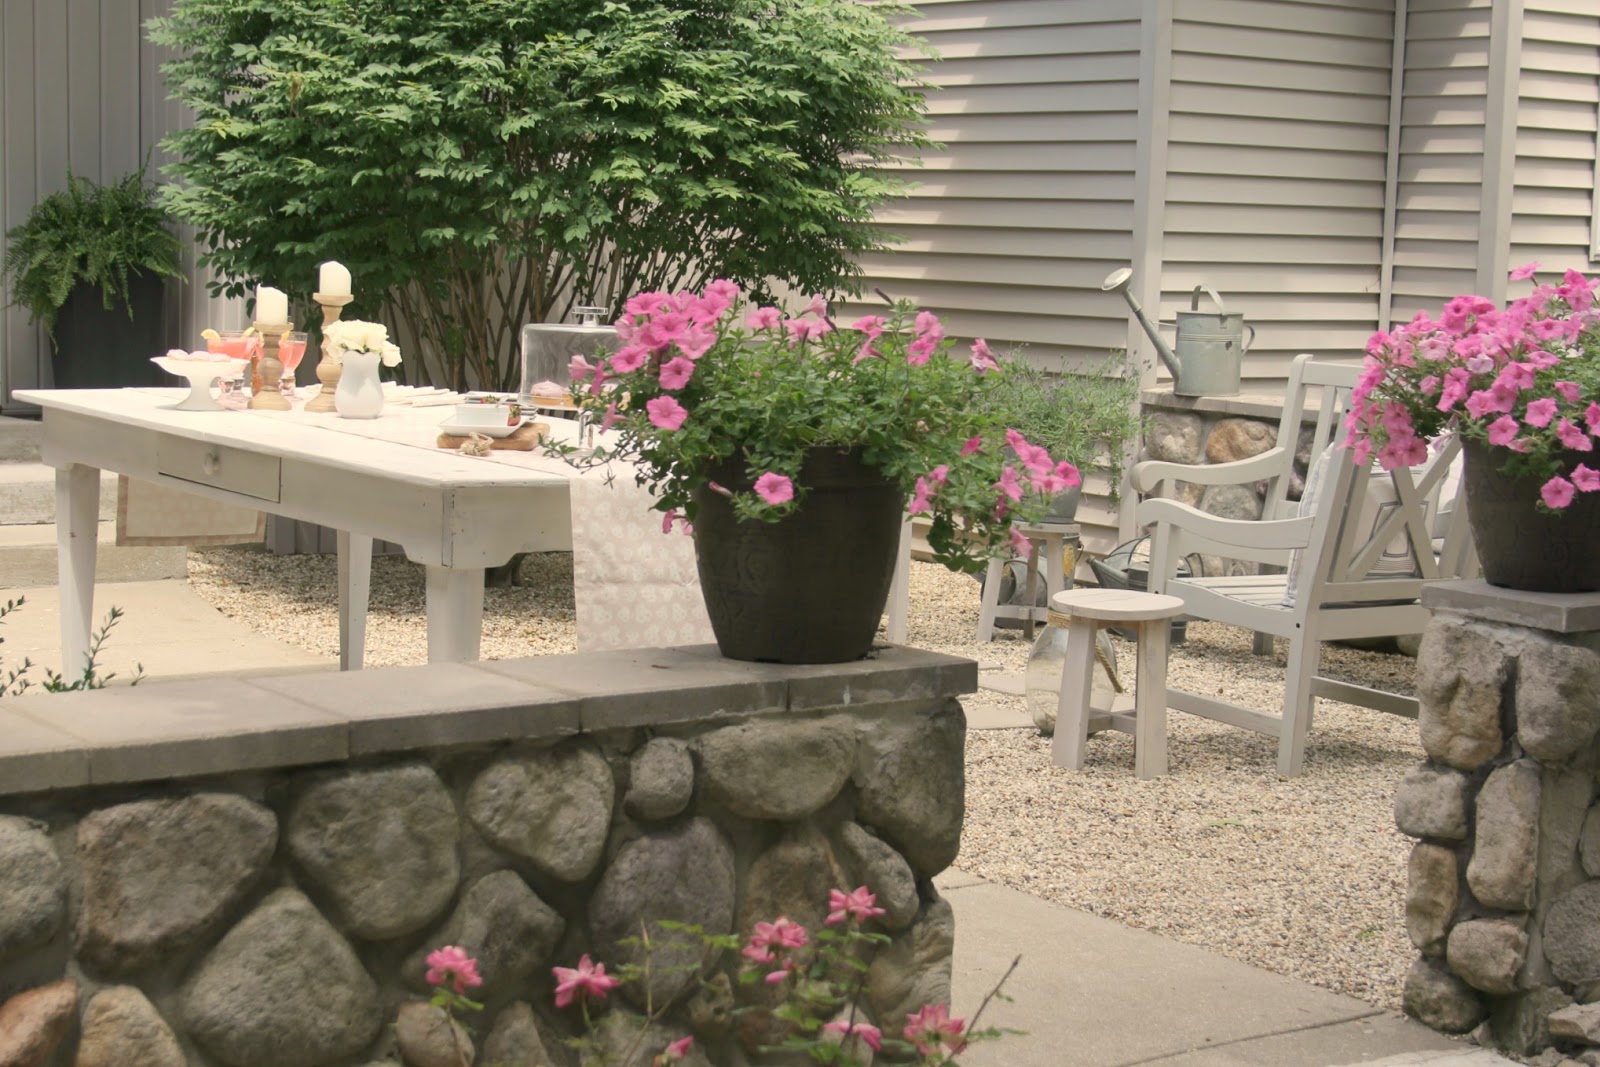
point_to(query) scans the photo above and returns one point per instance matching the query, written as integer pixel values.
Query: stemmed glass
(291, 349)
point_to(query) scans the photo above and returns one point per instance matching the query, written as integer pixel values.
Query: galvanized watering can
(1210, 343)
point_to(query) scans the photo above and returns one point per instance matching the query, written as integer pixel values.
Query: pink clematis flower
(774, 488)
(1557, 493)
(666, 413)
(676, 372)
(452, 964)
(676, 1051)
(865, 1031)
(932, 1027)
(859, 904)
(588, 979)
(1586, 480)
(1503, 431)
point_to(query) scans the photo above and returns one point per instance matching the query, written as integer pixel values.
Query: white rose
(391, 354)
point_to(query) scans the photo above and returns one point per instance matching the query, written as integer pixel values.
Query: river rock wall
(265, 915)
(1503, 897)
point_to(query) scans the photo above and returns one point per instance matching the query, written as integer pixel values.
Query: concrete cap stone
(890, 673)
(394, 709)
(35, 756)
(1562, 613)
(188, 728)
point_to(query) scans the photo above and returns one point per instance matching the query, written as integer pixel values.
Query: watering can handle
(1194, 299)
(1252, 338)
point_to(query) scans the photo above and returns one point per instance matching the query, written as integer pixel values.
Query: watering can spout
(1118, 282)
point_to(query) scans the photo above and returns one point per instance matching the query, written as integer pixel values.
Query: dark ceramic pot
(811, 587)
(1519, 546)
(96, 348)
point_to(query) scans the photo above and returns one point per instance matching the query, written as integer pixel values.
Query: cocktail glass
(291, 349)
(235, 344)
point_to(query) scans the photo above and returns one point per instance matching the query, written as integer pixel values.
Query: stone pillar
(1503, 900)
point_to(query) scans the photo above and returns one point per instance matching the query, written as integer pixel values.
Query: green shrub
(482, 165)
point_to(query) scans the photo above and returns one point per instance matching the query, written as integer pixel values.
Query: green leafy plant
(1090, 415)
(97, 234)
(16, 680)
(483, 165)
(696, 385)
(807, 986)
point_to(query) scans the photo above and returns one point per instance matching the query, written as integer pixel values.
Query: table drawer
(252, 474)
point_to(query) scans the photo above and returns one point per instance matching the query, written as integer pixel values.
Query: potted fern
(90, 262)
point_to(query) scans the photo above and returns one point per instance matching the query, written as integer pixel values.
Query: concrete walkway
(1089, 992)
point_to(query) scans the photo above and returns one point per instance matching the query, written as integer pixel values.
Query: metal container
(547, 347)
(1210, 345)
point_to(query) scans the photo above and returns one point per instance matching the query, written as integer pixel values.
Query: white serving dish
(458, 429)
(201, 374)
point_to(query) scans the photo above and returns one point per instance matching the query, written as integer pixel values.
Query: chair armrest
(1152, 472)
(1197, 525)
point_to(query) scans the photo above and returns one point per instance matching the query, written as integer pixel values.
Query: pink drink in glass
(233, 343)
(291, 349)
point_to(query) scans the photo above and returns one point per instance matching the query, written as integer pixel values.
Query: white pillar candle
(333, 279)
(272, 305)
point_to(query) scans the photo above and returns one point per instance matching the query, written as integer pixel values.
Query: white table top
(401, 442)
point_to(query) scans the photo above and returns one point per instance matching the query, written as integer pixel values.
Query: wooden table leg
(1150, 700)
(355, 588)
(455, 614)
(1072, 709)
(77, 534)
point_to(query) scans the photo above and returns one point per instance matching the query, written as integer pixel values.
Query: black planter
(810, 588)
(1519, 546)
(100, 349)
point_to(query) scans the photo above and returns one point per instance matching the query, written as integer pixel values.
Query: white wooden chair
(1336, 594)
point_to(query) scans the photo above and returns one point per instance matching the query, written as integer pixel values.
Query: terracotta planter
(1519, 546)
(810, 588)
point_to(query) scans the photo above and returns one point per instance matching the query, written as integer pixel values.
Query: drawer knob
(212, 461)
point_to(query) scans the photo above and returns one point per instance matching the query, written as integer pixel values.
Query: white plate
(457, 429)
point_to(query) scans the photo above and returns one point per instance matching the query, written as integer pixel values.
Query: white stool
(1147, 722)
(1047, 538)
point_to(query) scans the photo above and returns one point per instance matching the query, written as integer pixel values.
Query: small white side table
(1075, 718)
(1049, 541)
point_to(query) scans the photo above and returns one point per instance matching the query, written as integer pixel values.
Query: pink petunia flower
(611, 417)
(932, 1026)
(676, 372)
(588, 979)
(579, 368)
(1010, 485)
(628, 359)
(1573, 437)
(1591, 417)
(1503, 431)
(817, 307)
(1035, 457)
(666, 413)
(774, 488)
(973, 445)
(451, 963)
(1571, 392)
(696, 341)
(1020, 544)
(1524, 272)
(1586, 480)
(676, 1051)
(859, 904)
(1557, 492)
(764, 318)
(1540, 412)
(982, 359)
(865, 1031)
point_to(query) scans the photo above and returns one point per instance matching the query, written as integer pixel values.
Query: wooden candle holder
(268, 396)
(328, 370)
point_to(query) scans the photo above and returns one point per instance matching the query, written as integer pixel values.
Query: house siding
(1029, 204)
(1275, 171)
(1439, 198)
(81, 88)
(1553, 203)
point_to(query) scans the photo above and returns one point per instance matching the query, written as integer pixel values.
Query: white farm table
(381, 478)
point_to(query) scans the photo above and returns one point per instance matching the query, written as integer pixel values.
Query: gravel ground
(1302, 876)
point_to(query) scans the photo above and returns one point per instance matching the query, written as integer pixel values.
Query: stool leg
(1056, 578)
(1072, 708)
(991, 598)
(1029, 612)
(1150, 700)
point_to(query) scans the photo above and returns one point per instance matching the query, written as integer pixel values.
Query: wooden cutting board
(522, 439)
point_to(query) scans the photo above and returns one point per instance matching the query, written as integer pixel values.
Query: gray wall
(80, 88)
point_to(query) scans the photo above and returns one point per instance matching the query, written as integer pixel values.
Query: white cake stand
(201, 376)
